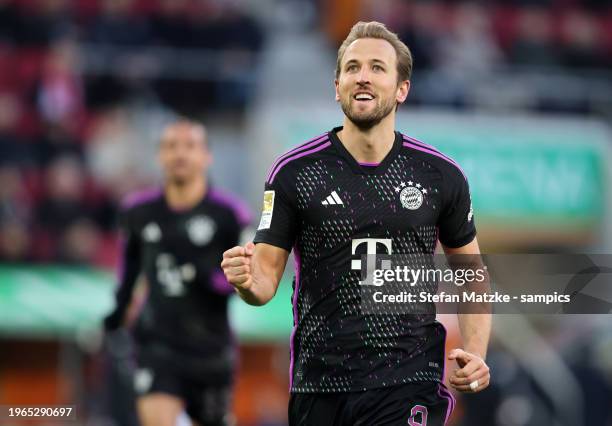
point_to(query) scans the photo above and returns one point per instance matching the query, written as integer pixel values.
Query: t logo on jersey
(371, 244)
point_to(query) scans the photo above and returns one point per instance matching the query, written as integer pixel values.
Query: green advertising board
(69, 303)
(549, 173)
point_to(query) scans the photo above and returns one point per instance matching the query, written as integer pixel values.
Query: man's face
(183, 153)
(367, 86)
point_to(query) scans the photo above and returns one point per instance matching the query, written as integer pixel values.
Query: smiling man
(363, 188)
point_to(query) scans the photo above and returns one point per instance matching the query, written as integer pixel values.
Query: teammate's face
(183, 153)
(367, 86)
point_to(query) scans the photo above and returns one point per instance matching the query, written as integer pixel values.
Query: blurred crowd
(481, 35)
(510, 53)
(64, 127)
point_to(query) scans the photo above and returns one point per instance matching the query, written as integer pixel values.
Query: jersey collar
(365, 169)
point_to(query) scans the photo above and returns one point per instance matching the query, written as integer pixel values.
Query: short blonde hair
(378, 30)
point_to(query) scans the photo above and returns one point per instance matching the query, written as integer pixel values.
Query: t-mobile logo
(371, 244)
(172, 277)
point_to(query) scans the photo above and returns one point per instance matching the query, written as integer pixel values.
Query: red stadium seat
(29, 63)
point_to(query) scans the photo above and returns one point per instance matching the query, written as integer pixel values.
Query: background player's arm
(255, 271)
(130, 261)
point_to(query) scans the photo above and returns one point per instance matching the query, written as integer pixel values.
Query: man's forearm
(261, 291)
(474, 317)
(129, 271)
(475, 321)
(253, 296)
(475, 332)
(255, 271)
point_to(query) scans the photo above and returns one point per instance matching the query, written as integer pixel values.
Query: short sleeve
(456, 223)
(277, 225)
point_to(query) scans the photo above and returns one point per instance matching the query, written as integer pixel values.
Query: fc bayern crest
(411, 195)
(200, 229)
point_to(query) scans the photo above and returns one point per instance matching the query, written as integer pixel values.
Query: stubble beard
(366, 121)
(180, 180)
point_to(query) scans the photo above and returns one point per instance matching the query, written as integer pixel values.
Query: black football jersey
(330, 210)
(179, 252)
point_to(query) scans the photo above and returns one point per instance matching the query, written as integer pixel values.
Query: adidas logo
(332, 200)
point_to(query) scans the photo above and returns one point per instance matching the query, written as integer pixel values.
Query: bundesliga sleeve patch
(268, 208)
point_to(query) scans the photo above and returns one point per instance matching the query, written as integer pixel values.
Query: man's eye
(351, 68)
(377, 68)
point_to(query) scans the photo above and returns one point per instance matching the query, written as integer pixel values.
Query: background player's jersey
(184, 321)
(331, 210)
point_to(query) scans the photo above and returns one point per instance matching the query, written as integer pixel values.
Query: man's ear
(337, 93)
(402, 91)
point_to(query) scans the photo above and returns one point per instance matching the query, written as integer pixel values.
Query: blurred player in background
(175, 236)
(363, 188)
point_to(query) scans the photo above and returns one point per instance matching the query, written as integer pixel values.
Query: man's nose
(364, 75)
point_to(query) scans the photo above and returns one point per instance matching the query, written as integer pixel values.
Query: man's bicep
(269, 261)
(469, 248)
(279, 220)
(456, 226)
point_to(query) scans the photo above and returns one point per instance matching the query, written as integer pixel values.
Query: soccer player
(363, 188)
(175, 236)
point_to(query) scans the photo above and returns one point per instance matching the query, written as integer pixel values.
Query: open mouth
(363, 97)
(179, 165)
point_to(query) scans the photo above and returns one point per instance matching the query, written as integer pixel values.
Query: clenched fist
(236, 266)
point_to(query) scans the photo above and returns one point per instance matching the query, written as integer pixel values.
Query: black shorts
(208, 404)
(421, 404)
